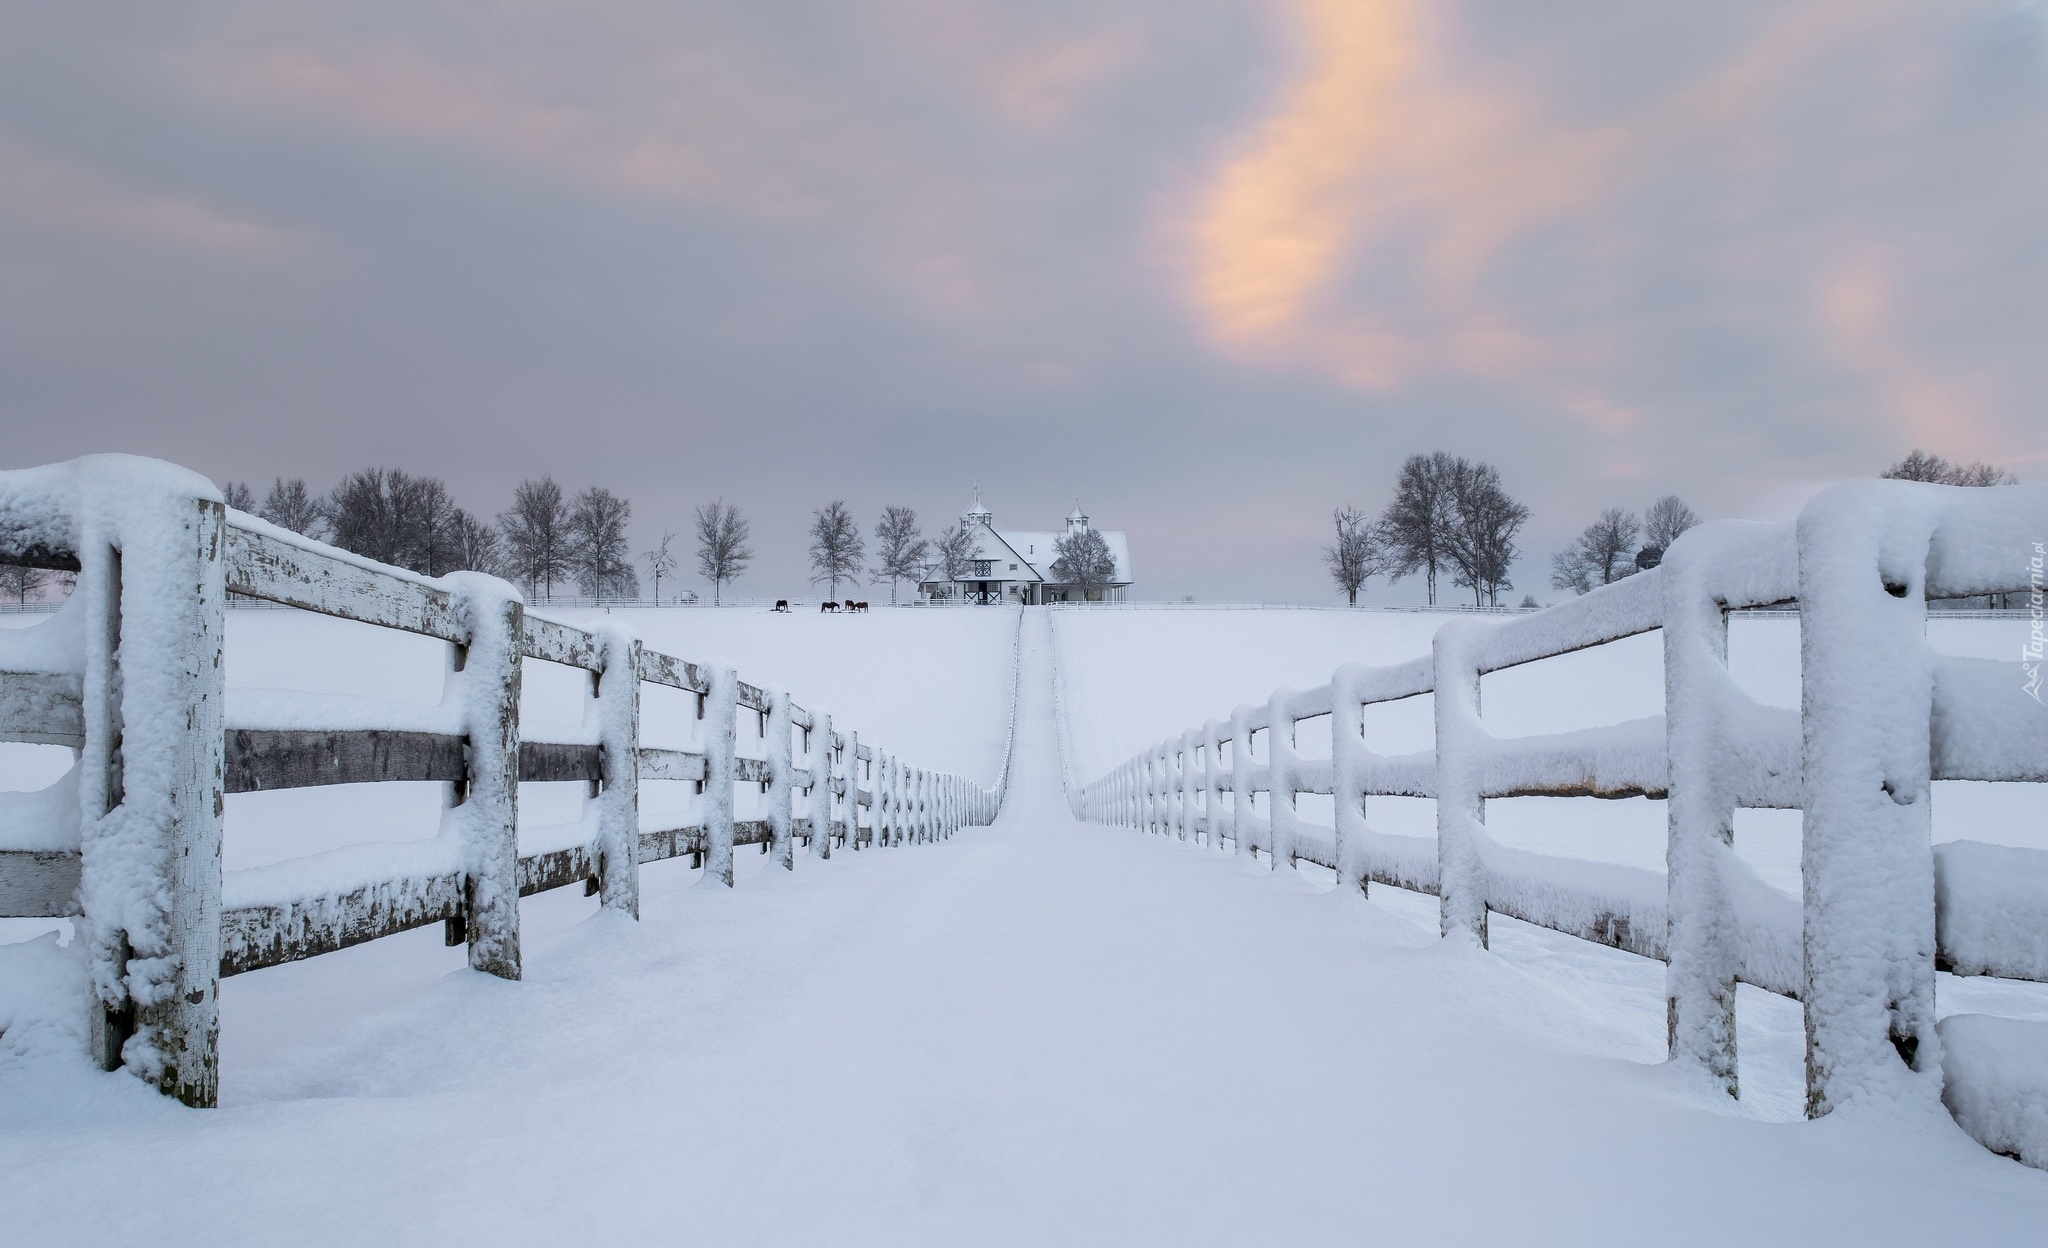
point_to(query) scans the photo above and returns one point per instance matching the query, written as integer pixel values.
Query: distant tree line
(1451, 517)
(545, 540)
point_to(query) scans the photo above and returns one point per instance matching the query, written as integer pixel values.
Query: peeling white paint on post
(781, 790)
(721, 715)
(618, 803)
(489, 814)
(819, 799)
(152, 550)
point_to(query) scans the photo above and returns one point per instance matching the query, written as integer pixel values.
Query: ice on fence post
(1699, 981)
(1281, 779)
(618, 805)
(1460, 759)
(1866, 689)
(1347, 773)
(1212, 782)
(820, 801)
(489, 814)
(1242, 816)
(781, 792)
(150, 545)
(1190, 743)
(721, 716)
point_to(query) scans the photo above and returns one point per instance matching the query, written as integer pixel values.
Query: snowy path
(1040, 1033)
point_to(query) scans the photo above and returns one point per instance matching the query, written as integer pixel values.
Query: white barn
(1015, 565)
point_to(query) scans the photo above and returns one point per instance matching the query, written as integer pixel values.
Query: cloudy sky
(1210, 267)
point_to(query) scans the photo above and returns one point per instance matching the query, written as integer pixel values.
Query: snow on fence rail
(1882, 717)
(130, 676)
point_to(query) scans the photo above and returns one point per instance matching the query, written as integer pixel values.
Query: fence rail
(129, 674)
(1883, 717)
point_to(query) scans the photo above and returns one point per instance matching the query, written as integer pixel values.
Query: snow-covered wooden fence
(129, 674)
(1882, 717)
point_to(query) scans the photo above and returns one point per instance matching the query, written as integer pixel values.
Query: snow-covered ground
(1037, 1033)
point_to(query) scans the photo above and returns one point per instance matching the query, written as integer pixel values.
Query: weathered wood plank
(42, 708)
(657, 668)
(269, 568)
(260, 936)
(751, 770)
(557, 642)
(546, 760)
(660, 764)
(558, 868)
(38, 883)
(262, 759)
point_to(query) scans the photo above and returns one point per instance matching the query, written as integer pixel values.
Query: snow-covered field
(1038, 1033)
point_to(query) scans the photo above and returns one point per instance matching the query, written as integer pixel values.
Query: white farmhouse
(1015, 565)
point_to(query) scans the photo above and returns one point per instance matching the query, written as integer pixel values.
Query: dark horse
(828, 605)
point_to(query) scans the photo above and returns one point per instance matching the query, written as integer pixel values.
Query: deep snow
(1041, 1032)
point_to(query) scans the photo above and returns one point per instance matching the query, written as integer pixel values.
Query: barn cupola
(1077, 521)
(978, 513)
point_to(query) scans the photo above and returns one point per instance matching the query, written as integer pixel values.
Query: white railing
(129, 674)
(1883, 716)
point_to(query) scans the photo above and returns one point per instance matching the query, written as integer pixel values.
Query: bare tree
(1358, 554)
(722, 550)
(535, 529)
(289, 505)
(598, 553)
(477, 547)
(1416, 525)
(661, 562)
(369, 512)
(239, 496)
(836, 546)
(954, 547)
(899, 547)
(1918, 465)
(19, 582)
(1662, 523)
(1481, 538)
(1601, 555)
(432, 526)
(1083, 560)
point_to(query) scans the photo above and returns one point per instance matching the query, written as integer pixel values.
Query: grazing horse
(828, 605)
(860, 606)
(782, 604)
(849, 604)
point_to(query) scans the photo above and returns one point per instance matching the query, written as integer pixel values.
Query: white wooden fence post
(1242, 816)
(1281, 778)
(1190, 783)
(850, 753)
(1699, 982)
(618, 804)
(1347, 773)
(1460, 810)
(150, 783)
(781, 791)
(490, 822)
(819, 804)
(721, 711)
(1212, 782)
(1867, 862)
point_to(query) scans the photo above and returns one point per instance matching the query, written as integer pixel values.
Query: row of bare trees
(1450, 515)
(546, 539)
(1451, 518)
